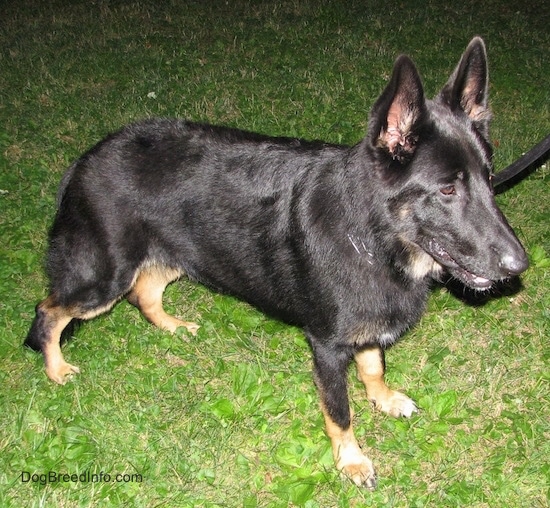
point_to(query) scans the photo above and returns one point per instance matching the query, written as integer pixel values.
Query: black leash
(525, 165)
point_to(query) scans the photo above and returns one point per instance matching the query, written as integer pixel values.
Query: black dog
(342, 241)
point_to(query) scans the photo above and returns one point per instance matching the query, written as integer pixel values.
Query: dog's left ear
(398, 112)
(468, 87)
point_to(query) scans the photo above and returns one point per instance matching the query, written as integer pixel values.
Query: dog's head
(435, 159)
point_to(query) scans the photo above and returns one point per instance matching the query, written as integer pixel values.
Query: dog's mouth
(457, 271)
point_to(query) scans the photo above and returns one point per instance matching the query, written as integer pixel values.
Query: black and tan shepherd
(341, 241)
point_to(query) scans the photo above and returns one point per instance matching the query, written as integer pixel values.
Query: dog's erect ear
(398, 112)
(468, 87)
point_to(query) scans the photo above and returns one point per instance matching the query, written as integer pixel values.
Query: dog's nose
(514, 264)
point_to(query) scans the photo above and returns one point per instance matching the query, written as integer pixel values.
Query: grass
(231, 418)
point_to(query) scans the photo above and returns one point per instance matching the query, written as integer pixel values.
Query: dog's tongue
(480, 282)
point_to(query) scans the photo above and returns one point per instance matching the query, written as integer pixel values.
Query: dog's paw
(395, 404)
(61, 372)
(191, 327)
(358, 468)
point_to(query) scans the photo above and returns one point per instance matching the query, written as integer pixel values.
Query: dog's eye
(448, 190)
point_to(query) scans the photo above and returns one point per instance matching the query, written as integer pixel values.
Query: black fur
(342, 241)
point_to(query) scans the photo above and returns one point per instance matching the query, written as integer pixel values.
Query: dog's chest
(378, 302)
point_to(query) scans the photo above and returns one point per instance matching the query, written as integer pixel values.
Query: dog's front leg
(331, 366)
(371, 367)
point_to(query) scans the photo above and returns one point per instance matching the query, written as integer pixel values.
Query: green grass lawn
(231, 417)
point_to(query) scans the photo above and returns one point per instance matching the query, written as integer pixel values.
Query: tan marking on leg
(56, 318)
(147, 293)
(57, 369)
(348, 456)
(370, 366)
(89, 314)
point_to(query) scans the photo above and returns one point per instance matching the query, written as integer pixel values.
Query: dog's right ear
(468, 87)
(397, 114)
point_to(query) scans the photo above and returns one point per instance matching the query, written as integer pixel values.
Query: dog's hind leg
(371, 367)
(45, 335)
(50, 321)
(146, 295)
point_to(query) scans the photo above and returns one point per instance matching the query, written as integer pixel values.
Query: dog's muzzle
(459, 272)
